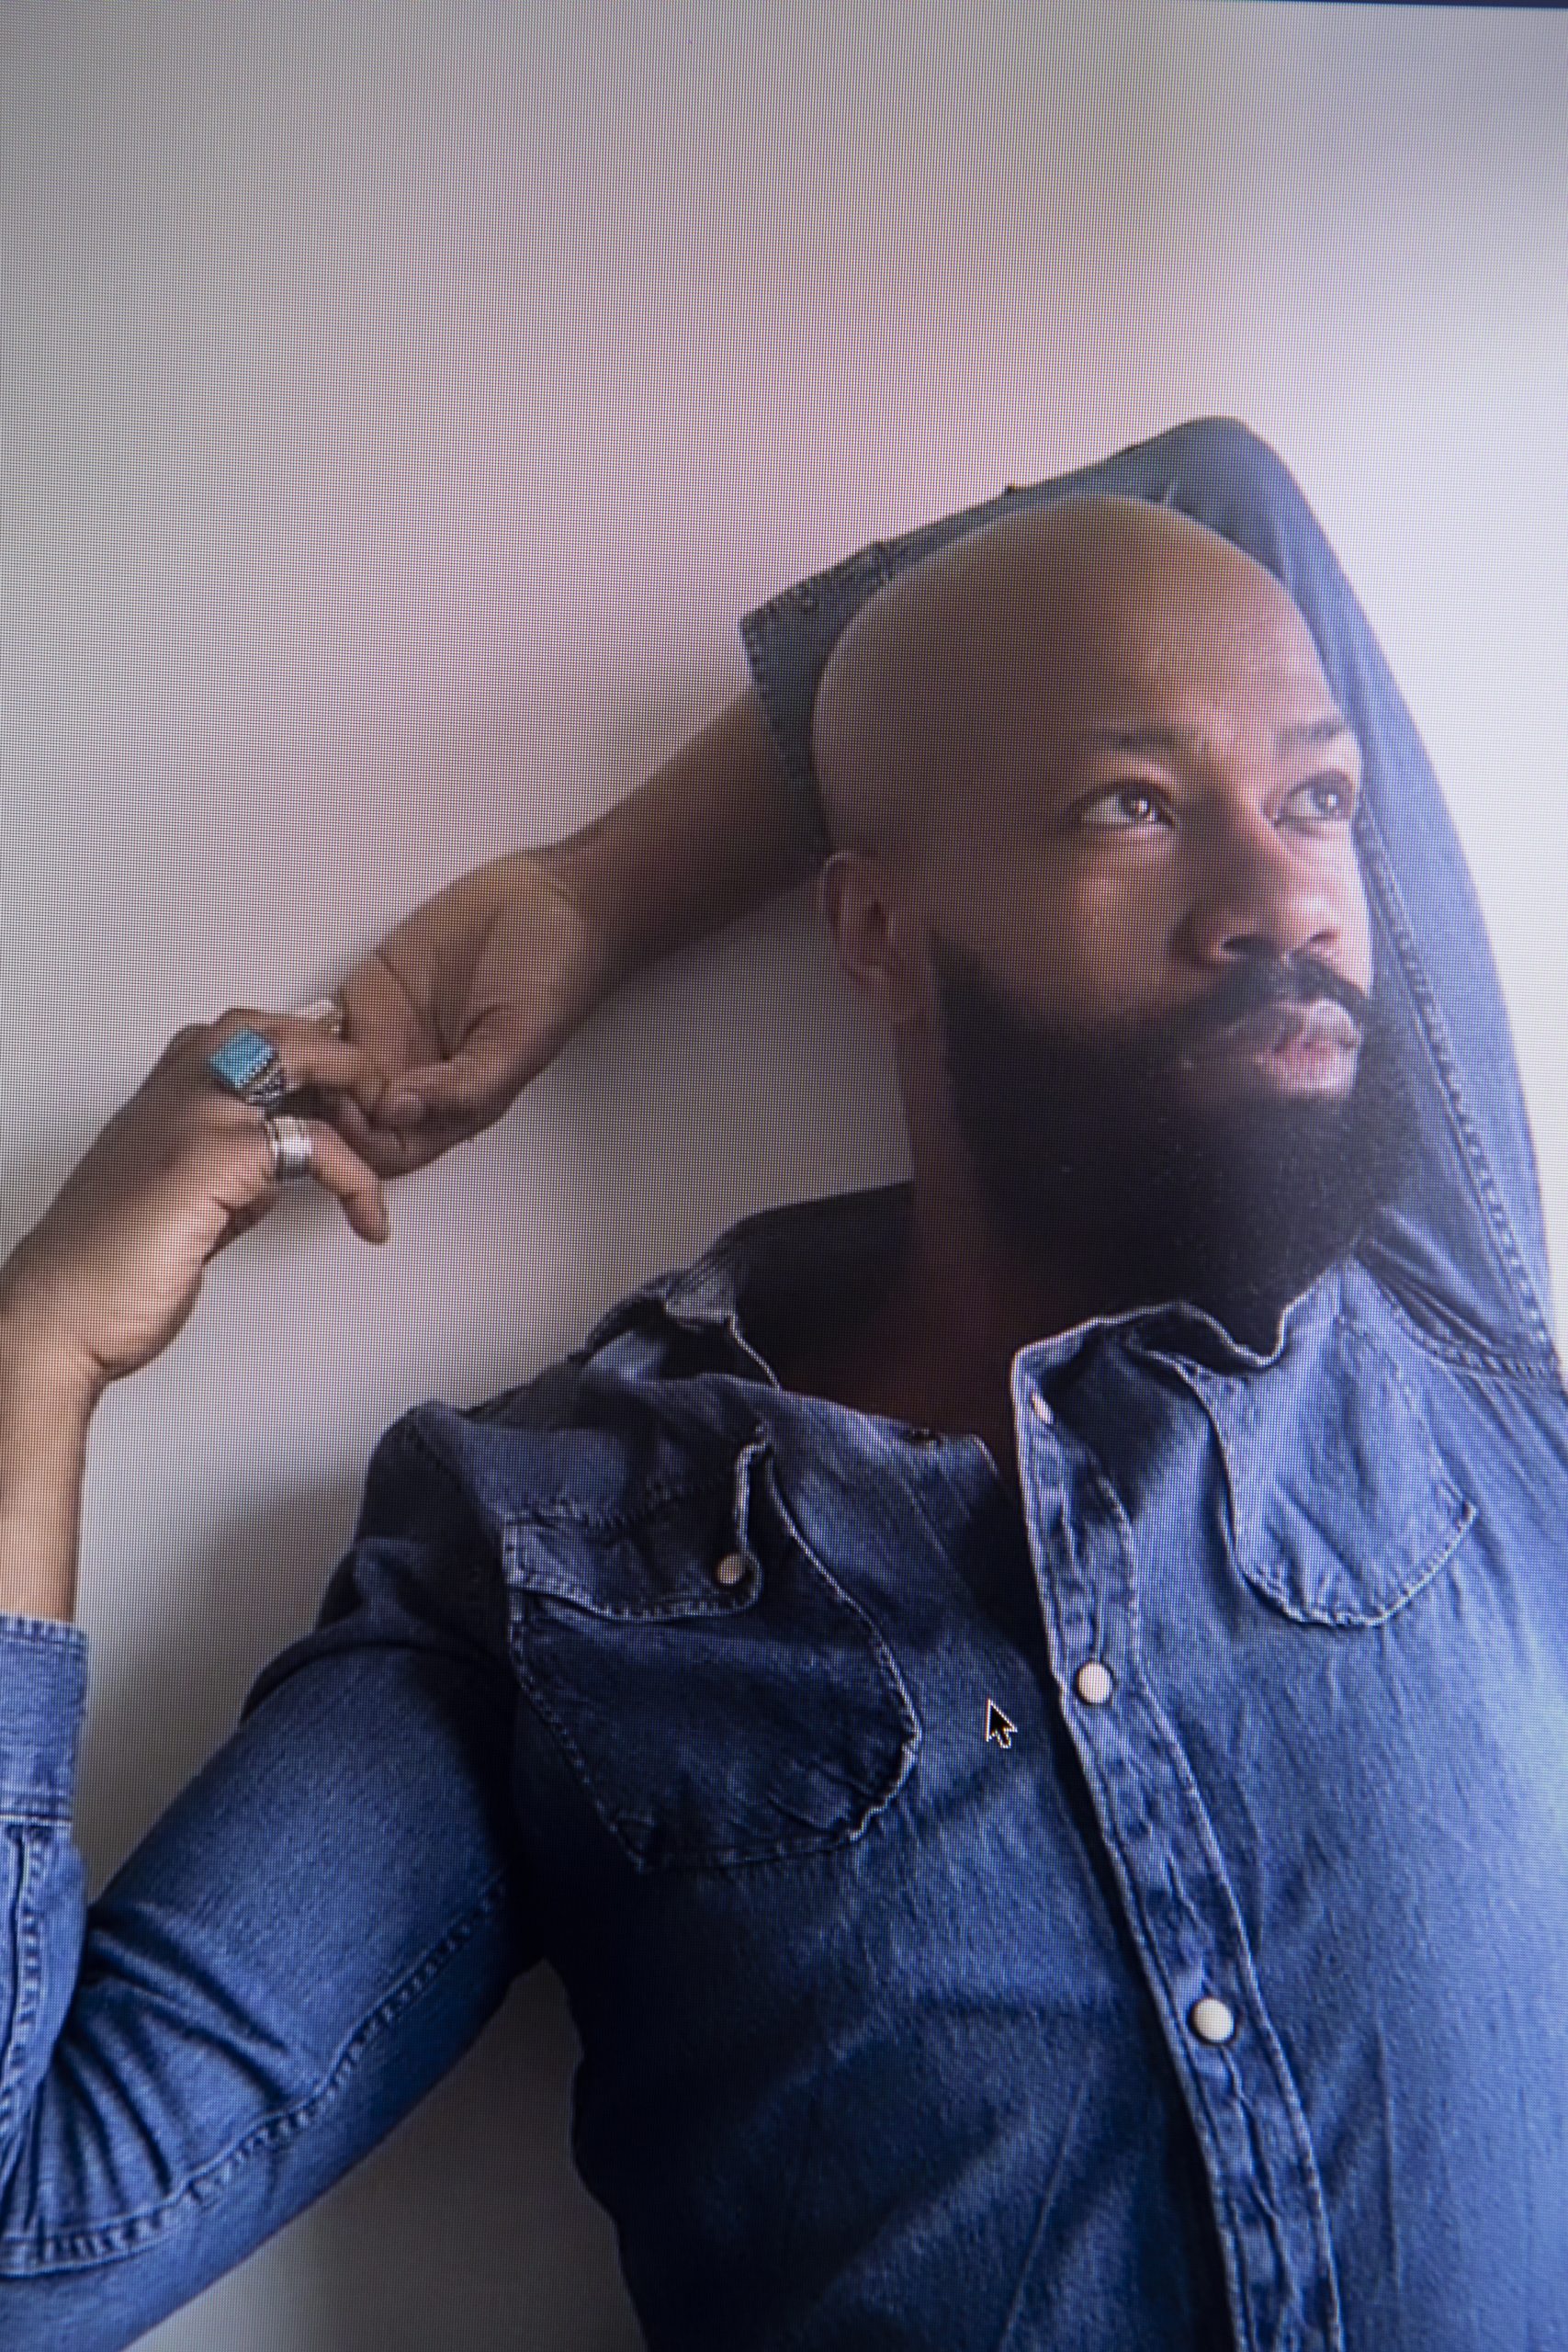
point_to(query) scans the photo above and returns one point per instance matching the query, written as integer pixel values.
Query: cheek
(1113, 938)
(1081, 947)
(1081, 957)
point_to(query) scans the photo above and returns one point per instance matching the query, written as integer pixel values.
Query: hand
(110, 1274)
(464, 1002)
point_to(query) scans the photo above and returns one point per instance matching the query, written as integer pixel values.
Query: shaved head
(1093, 803)
(954, 682)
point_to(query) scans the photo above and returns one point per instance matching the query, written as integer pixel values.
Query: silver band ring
(293, 1152)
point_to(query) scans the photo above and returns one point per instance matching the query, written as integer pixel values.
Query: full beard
(1091, 1153)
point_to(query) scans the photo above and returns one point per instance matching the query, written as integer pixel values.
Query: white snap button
(1093, 1683)
(1039, 1408)
(1211, 2020)
(731, 1568)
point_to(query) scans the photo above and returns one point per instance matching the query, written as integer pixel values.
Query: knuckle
(183, 1046)
(226, 1122)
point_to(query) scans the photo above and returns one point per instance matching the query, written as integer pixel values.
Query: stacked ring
(291, 1146)
(250, 1066)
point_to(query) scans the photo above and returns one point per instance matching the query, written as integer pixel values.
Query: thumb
(475, 1084)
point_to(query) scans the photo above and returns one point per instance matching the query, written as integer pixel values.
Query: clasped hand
(459, 1006)
(465, 1002)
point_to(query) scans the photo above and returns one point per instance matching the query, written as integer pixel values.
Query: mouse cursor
(998, 1726)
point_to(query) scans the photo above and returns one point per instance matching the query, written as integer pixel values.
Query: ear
(876, 934)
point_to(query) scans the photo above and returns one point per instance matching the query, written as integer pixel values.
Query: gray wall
(404, 402)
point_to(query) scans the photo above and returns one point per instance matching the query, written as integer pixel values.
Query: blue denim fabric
(682, 1679)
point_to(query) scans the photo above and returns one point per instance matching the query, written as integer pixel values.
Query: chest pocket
(720, 1697)
(1341, 1508)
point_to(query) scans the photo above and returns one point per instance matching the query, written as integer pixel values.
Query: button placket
(1180, 1907)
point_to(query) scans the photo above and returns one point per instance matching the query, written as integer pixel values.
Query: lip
(1285, 1049)
(1281, 1028)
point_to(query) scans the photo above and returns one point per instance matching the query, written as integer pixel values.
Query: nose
(1262, 895)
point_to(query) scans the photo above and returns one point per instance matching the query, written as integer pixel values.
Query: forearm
(714, 832)
(45, 1411)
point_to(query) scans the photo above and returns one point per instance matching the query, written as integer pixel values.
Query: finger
(339, 1171)
(386, 1149)
(310, 1054)
(395, 1152)
(326, 1013)
(475, 1085)
(379, 1015)
(345, 1114)
(430, 1139)
(229, 1160)
(181, 1043)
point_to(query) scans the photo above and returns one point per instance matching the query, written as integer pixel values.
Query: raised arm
(467, 997)
(1465, 1246)
(484, 983)
(325, 1919)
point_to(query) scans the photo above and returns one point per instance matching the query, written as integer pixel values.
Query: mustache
(1259, 986)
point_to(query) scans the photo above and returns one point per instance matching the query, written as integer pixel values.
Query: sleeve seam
(1477, 1164)
(26, 1977)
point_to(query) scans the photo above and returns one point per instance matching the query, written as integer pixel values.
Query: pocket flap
(680, 1551)
(719, 1695)
(1341, 1506)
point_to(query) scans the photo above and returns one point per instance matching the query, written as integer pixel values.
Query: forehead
(1182, 736)
(1184, 678)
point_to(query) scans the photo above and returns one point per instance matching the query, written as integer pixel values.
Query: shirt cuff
(43, 1698)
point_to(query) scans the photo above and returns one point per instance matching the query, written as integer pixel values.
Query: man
(1027, 1708)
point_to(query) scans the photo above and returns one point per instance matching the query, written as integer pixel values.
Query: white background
(404, 402)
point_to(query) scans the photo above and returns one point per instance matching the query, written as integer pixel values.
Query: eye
(1137, 796)
(1334, 799)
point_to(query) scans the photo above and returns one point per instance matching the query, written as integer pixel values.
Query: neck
(968, 1299)
(937, 1349)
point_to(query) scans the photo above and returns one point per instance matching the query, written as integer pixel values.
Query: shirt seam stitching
(1429, 1018)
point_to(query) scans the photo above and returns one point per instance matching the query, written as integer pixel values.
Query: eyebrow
(1303, 734)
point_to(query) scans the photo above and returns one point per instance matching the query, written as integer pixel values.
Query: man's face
(1151, 961)
(1165, 800)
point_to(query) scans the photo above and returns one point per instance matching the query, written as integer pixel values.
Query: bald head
(960, 676)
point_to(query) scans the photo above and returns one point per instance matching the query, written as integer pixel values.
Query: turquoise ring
(250, 1066)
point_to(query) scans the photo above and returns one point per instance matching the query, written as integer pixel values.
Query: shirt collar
(773, 1266)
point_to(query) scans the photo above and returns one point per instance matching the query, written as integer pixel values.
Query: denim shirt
(1138, 1919)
